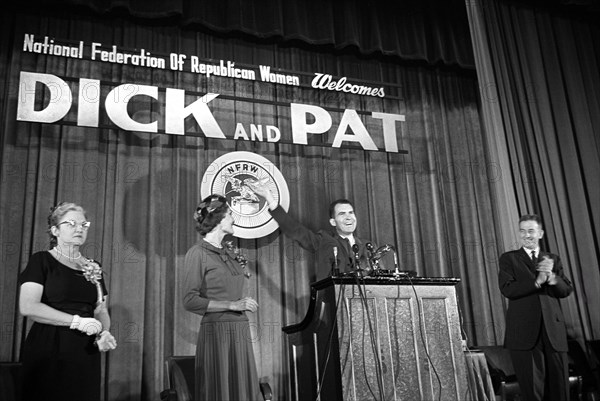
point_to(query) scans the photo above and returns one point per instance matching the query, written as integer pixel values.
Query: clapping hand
(544, 268)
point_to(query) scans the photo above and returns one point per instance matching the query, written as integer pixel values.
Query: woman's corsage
(93, 273)
(241, 259)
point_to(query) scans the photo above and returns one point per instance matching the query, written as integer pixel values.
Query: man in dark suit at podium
(334, 250)
(536, 334)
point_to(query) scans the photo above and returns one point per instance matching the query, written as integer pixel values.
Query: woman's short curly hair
(56, 213)
(209, 213)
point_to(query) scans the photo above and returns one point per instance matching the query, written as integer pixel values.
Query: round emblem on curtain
(230, 174)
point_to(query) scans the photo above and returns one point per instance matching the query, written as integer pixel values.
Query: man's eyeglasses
(73, 224)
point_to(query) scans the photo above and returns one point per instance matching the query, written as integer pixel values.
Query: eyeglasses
(73, 224)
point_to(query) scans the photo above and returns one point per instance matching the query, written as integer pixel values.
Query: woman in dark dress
(215, 281)
(64, 294)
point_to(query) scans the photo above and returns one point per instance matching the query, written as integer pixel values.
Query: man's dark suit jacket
(528, 305)
(321, 243)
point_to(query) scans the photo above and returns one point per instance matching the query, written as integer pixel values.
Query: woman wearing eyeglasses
(63, 292)
(215, 283)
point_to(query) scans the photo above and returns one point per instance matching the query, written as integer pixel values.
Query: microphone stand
(401, 273)
(355, 249)
(396, 270)
(373, 268)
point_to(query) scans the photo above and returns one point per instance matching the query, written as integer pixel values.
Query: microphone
(379, 253)
(397, 271)
(336, 269)
(373, 265)
(355, 249)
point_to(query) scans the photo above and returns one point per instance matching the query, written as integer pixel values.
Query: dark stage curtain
(141, 189)
(539, 72)
(430, 31)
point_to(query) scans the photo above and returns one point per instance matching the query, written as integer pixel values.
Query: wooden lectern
(379, 338)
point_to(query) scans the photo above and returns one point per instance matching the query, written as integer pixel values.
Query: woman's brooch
(241, 259)
(93, 273)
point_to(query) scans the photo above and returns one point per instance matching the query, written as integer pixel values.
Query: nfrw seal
(230, 174)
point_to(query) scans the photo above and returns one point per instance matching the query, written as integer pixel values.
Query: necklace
(216, 245)
(67, 256)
